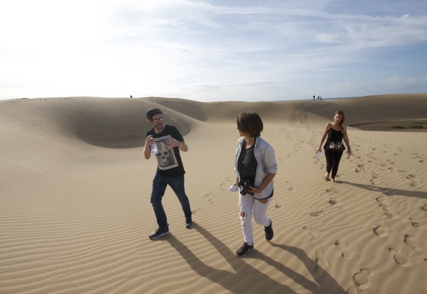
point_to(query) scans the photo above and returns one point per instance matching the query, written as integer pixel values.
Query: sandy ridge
(75, 212)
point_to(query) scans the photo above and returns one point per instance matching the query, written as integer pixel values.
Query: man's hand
(172, 143)
(149, 140)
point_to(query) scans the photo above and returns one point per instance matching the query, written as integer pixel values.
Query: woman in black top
(336, 131)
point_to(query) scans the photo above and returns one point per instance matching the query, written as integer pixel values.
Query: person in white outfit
(255, 166)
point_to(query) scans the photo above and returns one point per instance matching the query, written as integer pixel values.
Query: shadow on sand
(388, 191)
(244, 274)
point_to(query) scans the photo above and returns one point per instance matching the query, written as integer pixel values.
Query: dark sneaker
(159, 233)
(269, 234)
(245, 249)
(188, 223)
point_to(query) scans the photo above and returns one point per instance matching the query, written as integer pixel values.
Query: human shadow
(245, 274)
(325, 282)
(388, 191)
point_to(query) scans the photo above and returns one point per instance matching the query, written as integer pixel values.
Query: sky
(240, 50)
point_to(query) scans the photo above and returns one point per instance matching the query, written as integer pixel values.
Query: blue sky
(212, 50)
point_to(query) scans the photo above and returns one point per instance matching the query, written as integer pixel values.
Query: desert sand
(75, 210)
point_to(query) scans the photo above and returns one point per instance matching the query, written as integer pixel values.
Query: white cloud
(155, 47)
(399, 81)
(200, 88)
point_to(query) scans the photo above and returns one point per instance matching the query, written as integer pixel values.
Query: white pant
(247, 205)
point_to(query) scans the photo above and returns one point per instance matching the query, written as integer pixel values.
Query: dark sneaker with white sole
(269, 234)
(188, 223)
(159, 233)
(245, 249)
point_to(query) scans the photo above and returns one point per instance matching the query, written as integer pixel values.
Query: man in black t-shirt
(166, 142)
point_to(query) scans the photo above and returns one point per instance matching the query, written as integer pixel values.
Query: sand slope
(75, 213)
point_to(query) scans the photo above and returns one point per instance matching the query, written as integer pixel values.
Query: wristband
(180, 144)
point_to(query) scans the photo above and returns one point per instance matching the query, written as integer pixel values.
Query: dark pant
(159, 187)
(332, 162)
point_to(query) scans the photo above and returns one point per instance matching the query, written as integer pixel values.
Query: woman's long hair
(342, 122)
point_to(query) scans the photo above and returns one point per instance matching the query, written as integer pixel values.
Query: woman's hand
(254, 190)
(348, 152)
(233, 188)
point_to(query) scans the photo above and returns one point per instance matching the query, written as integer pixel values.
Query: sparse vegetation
(416, 125)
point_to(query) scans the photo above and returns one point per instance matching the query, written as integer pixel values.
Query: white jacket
(266, 163)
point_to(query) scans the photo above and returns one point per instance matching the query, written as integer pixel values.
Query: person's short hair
(250, 122)
(152, 112)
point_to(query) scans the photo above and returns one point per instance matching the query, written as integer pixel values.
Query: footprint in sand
(361, 279)
(411, 176)
(399, 258)
(361, 167)
(331, 190)
(374, 179)
(209, 199)
(391, 168)
(319, 213)
(332, 201)
(345, 253)
(322, 265)
(387, 192)
(388, 213)
(424, 208)
(197, 210)
(382, 200)
(380, 231)
(414, 223)
(313, 232)
(278, 205)
(413, 242)
(352, 290)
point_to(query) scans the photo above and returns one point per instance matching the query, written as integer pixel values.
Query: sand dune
(75, 213)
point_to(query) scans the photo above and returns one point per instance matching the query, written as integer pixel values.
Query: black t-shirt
(169, 162)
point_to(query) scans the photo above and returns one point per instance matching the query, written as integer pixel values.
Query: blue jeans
(160, 183)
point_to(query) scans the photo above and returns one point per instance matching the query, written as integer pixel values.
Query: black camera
(244, 188)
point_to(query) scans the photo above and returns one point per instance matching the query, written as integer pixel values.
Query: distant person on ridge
(255, 166)
(166, 142)
(336, 131)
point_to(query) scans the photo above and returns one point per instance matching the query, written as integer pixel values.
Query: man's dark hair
(152, 112)
(250, 122)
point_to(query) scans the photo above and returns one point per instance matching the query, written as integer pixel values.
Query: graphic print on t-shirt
(166, 157)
